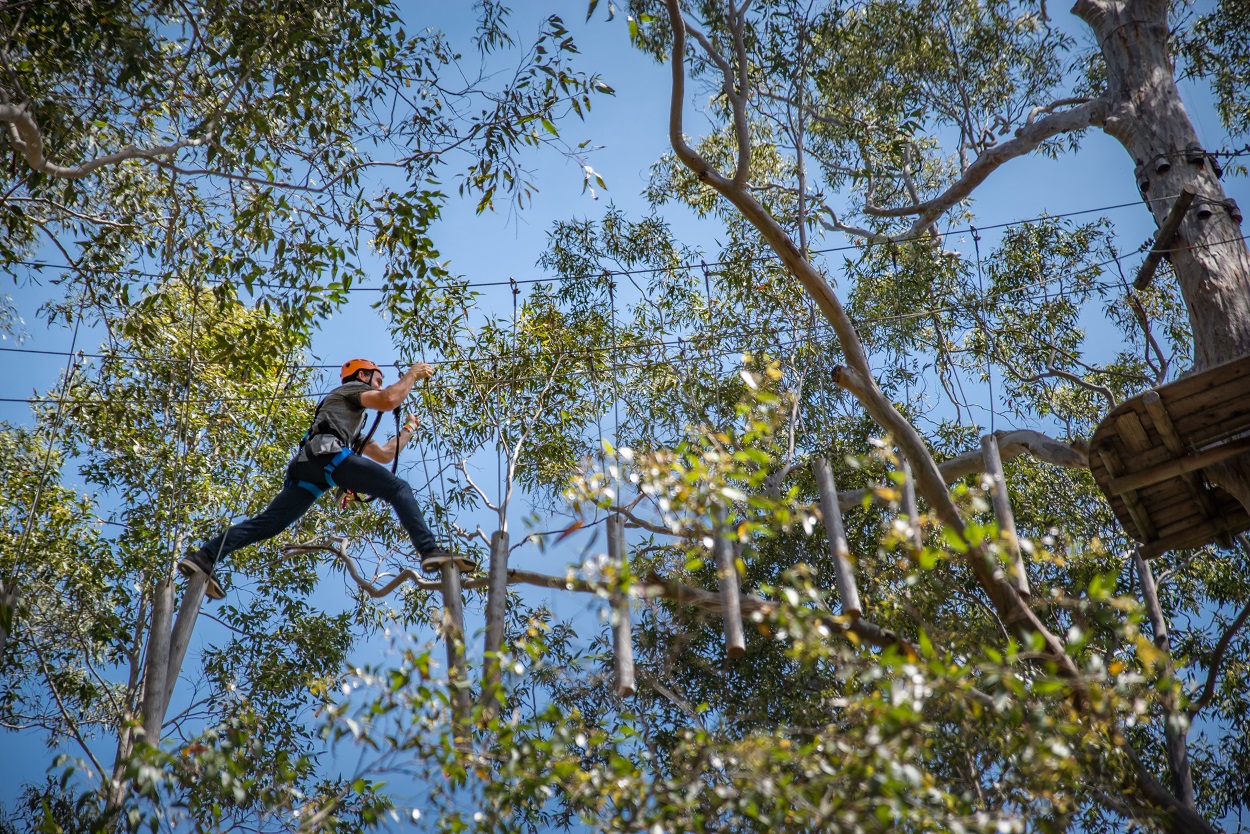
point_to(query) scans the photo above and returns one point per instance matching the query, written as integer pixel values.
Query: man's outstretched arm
(393, 395)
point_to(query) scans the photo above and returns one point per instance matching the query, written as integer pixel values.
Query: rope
(969, 306)
(859, 245)
(989, 339)
(976, 304)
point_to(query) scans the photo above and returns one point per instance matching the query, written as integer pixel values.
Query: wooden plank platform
(1150, 454)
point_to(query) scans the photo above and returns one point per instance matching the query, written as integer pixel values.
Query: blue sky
(632, 127)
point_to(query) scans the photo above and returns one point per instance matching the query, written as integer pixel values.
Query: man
(333, 453)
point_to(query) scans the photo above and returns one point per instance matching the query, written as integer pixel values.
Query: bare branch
(1217, 660)
(1052, 371)
(1053, 106)
(1027, 139)
(25, 135)
(1011, 445)
(65, 716)
(337, 546)
(89, 218)
(643, 524)
(689, 157)
(464, 469)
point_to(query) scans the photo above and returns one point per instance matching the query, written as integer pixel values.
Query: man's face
(374, 379)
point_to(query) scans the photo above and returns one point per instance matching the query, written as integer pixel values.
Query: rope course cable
(989, 365)
(1014, 297)
(690, 267)
(52, 427)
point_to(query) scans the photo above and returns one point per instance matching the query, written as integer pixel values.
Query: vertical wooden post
(8, 611)
(622, 635)
(730, 596)
(156, 666)
(1002, 511)
(842, 569)
(496, 610)
(910, 507)
(1174, 736)
(453, 633)
(192, 598)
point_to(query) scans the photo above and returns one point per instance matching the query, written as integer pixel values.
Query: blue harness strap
(329, 470)
(333, 464)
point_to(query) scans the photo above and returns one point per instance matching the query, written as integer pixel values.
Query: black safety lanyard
(358, 448)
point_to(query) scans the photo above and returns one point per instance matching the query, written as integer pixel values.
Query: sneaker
(432, 562)
(199, 562)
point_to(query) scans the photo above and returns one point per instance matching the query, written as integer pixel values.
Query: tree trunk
(1209, 256)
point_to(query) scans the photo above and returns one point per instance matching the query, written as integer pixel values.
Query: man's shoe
(432, 562)
(199, 562)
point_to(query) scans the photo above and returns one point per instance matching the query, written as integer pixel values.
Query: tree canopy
(211, 174)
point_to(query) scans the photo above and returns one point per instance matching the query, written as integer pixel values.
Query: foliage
(688, 390)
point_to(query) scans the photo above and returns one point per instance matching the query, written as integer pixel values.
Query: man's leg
(361, 475)
(287, 506)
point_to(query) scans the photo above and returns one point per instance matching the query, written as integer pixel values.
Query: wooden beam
(1002, 511)
(1163, 238)
(453, 634)
(910, 507)
(622, 633)
(156, 664)
(843, 571)
(496, 610)
(1172, 440)
(730, 595)
(188, 613)
(1133, 433)
(1111, 462)
(1185, 539)
(1179, 466)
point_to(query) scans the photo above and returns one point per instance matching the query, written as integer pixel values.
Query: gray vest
(338, 423)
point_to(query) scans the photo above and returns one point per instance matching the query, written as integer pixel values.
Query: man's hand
(393, 395)
(411, 422)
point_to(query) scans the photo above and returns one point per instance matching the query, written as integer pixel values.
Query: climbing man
(333, 453)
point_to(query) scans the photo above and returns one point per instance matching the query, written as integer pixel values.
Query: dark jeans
(358, 474)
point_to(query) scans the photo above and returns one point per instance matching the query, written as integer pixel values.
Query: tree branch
(1075, 380)
(25, 135)
(1011, 445)
(65, 716)
(1217, 660)
(1026, 140)
(858, 378)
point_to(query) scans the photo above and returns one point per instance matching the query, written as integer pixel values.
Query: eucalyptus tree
(297, 125)
(956, 702)
(257, 149)
(877, 123)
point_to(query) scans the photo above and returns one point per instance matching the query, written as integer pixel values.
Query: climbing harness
(354, 449)
(348, 495)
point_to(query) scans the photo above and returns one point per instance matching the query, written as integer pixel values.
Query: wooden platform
(1149, 456)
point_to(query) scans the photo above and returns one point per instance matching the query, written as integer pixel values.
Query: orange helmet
(352, 366)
